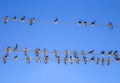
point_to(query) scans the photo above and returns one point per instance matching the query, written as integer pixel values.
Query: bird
(5, 59)
(32, 20)
(26, 51)
(6, 19)
(8, 50)
(85, 23)
(45, 52)
(85, 60)
(93, 23)
(23, 19)
(14, 18)
(102, 52)
(58, 59)
(71, 60)
(65, 60)
(75, 53)
(55, 53)
(83, 53)
(110, 25)
(67, 53)
(56, 21)
(37, 51)
(16, 48)
(77, 60)
(115, 54)
(38, 59)
(16, 57)
(79, 22)
(108, 61)
(110, 52)
(91, 52)
(117, 59)
(103, 60)
(46, 59)
(93, 59)
(28, 59)
(98, 60)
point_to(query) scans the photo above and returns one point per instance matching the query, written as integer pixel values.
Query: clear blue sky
(60, 37)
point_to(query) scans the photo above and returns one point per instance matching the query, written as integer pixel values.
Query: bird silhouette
(110, 25)
(65, 60)
(66, 53)
(23, 19)
(16, 48)
(93, 23)
(14, 18)
(58, 59)
(56, 21)
(5, 59)
(38, 59)
(55, 53)
(115, 54)
(83, 53)
(110, 52)
(6, 19)
(8, 50)
(103, 52)
(85, 60)
(16, 57)
(98, 60)
(46, 59)
(79, 22)
(37, 51)
(85, 23)
(77, 60)
(93, 59)
(28, 59)
(75, 53)
(45, 52)
(108, 61)
(26, 51)
(103, 60)
(71, 60)
(117, 59)
(32, 20)
(91, 52)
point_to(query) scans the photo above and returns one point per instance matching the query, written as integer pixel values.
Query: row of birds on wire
(68, 56)
(55, 21)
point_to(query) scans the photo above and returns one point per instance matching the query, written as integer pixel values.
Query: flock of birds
(55, 21)
(67, 58)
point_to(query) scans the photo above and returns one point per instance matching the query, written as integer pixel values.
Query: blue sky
(60, 37)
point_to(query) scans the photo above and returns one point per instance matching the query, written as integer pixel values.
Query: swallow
(85, 23)
(16, 57)
(46, 59)
(16, 48)
(45, 52)
(58, 59)
(71, 60)
(85, 60)
(93, 59)
(14, 18)
(91, 52)
(79, 22)
(5, 59)
(28, 59)
(75, 53)
(103, 60)
(66, 53)
(38, 59)
(115, 53)
(37, 51)
(32, 20)
(77, 60)
(108, 61)
(56, 21)
(98, 60)
(55, 53)
(117, 59)
(110, 52)
(6, 19)
(110, 25)
(23, 19)
(8, 50)
(103, 52)
(83, 53)
(93, 23)
(65, 60)
(25, 51)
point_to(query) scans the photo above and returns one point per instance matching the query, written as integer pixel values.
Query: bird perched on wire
(56, 21)
(103, 60)
(77, 60)
(45, 52)
(38, 59)
(93, 23)
(32, 20)
(115, 54)
(103, 52)
(8, 50)
(79, 23)
(98, 60)
(26, 51)
(108, 61)
(65, 60)
(71, 59)
(58, 59)
(85, 23)
(6, 19)
(110, 52)
(91, 52)
(5, 59)
(46, 59)
(93, 59)
(16, 48)
(110, 25)
(55, 53)
(85, 60)
(75, 53)
(83, 53)
(14, 18)
(67, 53)
(16, 57)
(23, 19)
(37, 51)
(28, 59)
